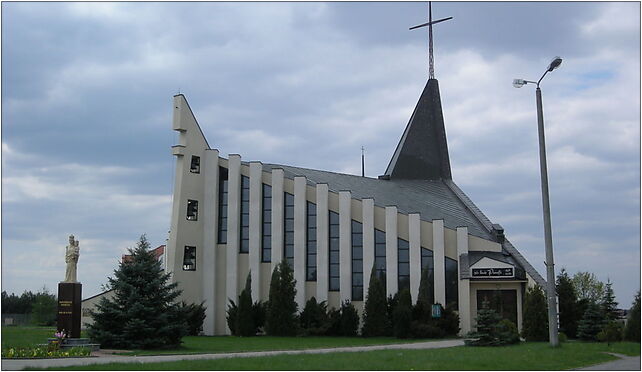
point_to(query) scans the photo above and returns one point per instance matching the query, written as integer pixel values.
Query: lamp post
(548, 239)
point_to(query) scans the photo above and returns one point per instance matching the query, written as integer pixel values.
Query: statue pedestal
(69, 308)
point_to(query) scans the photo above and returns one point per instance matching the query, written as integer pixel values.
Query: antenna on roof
(363, 165)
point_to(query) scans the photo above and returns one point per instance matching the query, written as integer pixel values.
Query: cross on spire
(431, 62)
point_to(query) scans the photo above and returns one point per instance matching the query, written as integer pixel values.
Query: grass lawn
(229, 344)
(19, 336)
(525, 356)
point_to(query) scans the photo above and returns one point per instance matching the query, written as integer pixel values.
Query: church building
(231, 218)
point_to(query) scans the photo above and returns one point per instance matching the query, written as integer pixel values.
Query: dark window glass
(503, 301)
(195, 165)
(189, 258)
(403, 263)
(333, 236)
(357, 261)
(380, 254)
(311, 242)
(451, 282)
(428, 268)
(288, 227)
(245, 215)
(192, 210)
(266, 246)
(222, 205)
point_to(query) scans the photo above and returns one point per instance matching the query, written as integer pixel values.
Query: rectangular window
(189, 258)
(195, 165)
(403, 264)
(357, 261)
(428, 268)
(245, 215)
(288, 229)
(192, 210)
(311, 242)
(333, 236)
(266, 234)
(451, 282)
(222, 205)
(380, 254)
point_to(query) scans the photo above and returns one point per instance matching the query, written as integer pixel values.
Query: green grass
(19, 336)
(525, 356)
(228, 344)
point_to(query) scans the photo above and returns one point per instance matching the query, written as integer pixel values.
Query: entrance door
(504, 301)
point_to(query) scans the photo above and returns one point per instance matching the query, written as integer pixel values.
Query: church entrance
(503, 301)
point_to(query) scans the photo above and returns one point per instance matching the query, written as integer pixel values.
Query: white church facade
(231, 218)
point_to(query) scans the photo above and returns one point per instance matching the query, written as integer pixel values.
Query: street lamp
(548, 239)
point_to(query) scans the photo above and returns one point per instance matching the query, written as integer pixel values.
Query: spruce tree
(535, 322)
(281, 319)
(632, 330)
(143, 313)
(245, 312)
(569, 313)
(609, 305)
(486, 330)
(375, 318)
(592, 323)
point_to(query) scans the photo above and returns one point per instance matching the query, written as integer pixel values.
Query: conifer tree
(609, 305)
(245, 312)
(486, 331)
(143, 313)
(632, 330)
(535, 322)
(375, 318)
(569, 313)
(281, 319)
(592, 323)
(402, 315)
(349, 319)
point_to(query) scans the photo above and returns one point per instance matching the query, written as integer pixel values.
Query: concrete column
(367, 206)
(277, 217)
(173, 251)
(414, 235)
(345, 246)
(392, 277)
(322, 242)
(209, 211)
(256, 198)
(463, 302)
(299, 238)
(233, 226)
(439, 261)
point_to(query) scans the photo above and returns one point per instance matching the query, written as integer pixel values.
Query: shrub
(258, 313)
(375, 317)
(280, 318)
(334, 323)
(591, 323)
(402, 315)
(535, 324)
(507, 332)
(232, 314)
(611, 332)
(391, 304)
(314, 318)
(349, 319)
(632, 330)
(562, 337)
(195, 315)
(44, 352)
(425, 330)
(449, 321)
(245, 314)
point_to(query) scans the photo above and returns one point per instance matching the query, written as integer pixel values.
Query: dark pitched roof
(422, 152)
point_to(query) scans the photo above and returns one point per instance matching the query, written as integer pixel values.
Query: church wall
(479, 244)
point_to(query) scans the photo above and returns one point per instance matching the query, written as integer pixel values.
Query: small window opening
(192, 210)
(189, 259)
(195, 167)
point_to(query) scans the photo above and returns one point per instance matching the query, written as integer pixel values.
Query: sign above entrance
(504, 272)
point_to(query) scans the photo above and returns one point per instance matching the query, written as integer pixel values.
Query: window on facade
(245, 215)
(403, 264)
(222, 205)
(451, 281)
(195, 165)
(288, 229)
(380, 254)
(428, 266)
(333, 237)
(192, 210)
(266, 233)
(311, 242)
(189, 258)
(357, 261)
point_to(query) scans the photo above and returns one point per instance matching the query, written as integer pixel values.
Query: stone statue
(71, 258)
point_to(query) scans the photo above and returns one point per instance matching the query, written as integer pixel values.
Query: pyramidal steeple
(422, 152)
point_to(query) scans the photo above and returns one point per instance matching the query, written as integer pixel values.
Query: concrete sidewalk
(13, 365)
(625, 363)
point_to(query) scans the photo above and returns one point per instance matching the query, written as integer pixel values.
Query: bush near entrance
(535, 321)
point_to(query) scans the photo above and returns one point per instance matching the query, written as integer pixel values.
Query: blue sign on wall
(436, 311)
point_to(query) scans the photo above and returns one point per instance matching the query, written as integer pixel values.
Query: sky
(87, 107)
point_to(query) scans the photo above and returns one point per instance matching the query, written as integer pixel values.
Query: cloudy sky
(86, 116)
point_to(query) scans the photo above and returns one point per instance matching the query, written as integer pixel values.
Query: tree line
(40, 306)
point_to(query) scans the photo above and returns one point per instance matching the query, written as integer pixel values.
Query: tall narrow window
(311, 242)
(245, 215)
(189, 258)
(451, 281)
(195, 165)
(288, 228)
(403, 260)
(222, 205)
(192, 210)
(357, 261)
(333, 237)
(428, 268)
(266, 243)
(380, 254)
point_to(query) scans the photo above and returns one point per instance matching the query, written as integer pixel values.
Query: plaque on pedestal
(69, 308)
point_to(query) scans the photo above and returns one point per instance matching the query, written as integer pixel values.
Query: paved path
(625, 363)
(8, 364)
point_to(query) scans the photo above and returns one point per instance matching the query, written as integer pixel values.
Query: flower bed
(44, 352)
